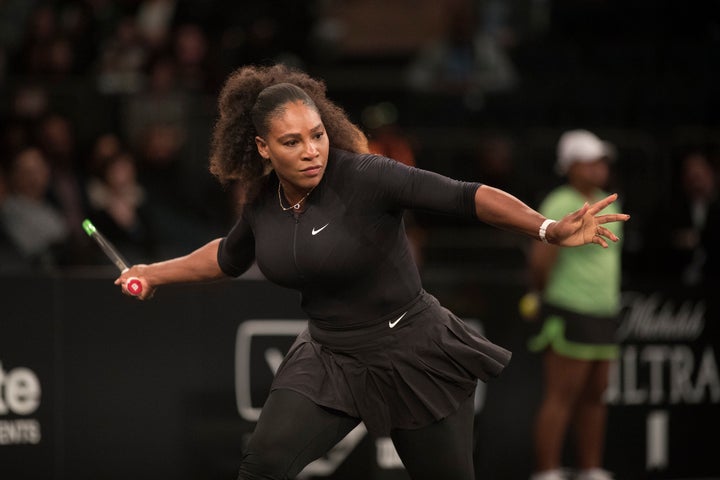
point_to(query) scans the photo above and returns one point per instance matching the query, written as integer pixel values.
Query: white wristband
(543, 229)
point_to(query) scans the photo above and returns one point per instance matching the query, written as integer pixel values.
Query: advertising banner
(94, 384)
(28, 404)
(664, 391)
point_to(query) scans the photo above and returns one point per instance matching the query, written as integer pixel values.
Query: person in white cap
(579, 297)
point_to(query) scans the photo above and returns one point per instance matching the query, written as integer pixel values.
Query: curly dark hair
(234, 155)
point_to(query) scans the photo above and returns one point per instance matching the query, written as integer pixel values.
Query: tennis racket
(133, 284)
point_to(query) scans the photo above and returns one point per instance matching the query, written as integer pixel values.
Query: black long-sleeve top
(347, 253)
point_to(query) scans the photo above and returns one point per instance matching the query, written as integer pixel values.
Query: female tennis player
(324, 216)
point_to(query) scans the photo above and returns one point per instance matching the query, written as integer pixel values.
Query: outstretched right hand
(586, 225)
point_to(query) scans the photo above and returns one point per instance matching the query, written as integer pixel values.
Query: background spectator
(36, 228)
(695, 220)
(56, 138)
(117, 206)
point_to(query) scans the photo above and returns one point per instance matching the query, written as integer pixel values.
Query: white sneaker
(594, 474)
(557, 474)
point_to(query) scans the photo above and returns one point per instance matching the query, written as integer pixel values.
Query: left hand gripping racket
(133, 285)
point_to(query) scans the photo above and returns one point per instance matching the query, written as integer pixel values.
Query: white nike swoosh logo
(316, 231)
(392, 324)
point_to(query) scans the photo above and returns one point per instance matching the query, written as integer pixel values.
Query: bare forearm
(583, 226)
(500, 209)
(199, 266)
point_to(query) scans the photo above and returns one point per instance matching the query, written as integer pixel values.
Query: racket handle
(134, 286)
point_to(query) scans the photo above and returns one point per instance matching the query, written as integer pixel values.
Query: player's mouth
(312, 171)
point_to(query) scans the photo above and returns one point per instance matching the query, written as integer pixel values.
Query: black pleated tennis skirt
(407, 376)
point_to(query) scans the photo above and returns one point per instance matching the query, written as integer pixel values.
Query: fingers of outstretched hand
(604, 232)
(578, 214)
(601, 204)
(600, 241)
(613, 217)
(601, 234)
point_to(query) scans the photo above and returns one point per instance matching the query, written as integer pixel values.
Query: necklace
(295, 206)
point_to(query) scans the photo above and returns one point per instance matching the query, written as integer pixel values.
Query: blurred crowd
(107, 109)
(106, 112)
(107, 106)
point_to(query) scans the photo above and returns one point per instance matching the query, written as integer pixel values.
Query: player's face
(297, 146)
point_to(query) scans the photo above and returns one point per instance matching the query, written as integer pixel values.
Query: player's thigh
(443, 449)
(291, 432)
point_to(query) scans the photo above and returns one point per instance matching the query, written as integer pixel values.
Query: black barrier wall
(94, 384)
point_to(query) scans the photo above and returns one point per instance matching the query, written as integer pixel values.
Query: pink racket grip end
(134, 286)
